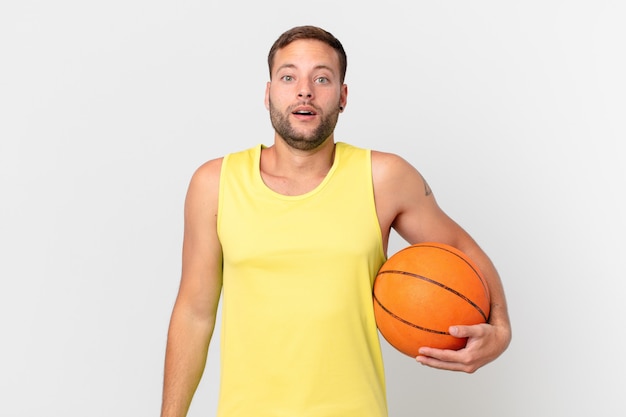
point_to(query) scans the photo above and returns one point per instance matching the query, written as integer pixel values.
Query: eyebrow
(317, 67)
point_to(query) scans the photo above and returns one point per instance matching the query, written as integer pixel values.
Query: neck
(284, 159)
(292, 171)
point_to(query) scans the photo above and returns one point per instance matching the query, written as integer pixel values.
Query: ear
(343, 98)
(267, 95)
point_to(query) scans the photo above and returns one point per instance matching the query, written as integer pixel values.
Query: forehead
(305, 53)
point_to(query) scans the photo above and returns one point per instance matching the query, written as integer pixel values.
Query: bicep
(420, 219)
(407, 204)
(201, 278)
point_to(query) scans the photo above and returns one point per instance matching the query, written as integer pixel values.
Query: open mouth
(304, 111)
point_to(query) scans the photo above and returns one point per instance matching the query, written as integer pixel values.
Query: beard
(302, 141)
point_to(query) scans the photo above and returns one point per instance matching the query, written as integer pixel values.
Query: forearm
(185, 359)
(498, 315)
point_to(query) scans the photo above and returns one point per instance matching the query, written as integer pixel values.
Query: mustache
(303, 103)
(290, 109)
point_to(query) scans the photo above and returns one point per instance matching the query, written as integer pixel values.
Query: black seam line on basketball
(445, 287)
(482, 281)
(408, 322)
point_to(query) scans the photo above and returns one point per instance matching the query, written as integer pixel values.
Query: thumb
(459, 331)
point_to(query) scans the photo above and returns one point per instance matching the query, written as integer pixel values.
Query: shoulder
(398, 182)
(203, 187)
(390, 167)
(380, 157)
(208, 172)
(207, 176)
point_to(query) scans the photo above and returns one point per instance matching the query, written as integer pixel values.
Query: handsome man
(293, 234)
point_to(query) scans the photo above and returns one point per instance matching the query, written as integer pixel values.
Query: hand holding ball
(424, 289)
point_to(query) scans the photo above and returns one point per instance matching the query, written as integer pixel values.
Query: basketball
(422, 290)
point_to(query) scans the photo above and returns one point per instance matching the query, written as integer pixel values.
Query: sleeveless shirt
(298, 336)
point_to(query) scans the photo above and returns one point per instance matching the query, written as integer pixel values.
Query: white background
(513, 111)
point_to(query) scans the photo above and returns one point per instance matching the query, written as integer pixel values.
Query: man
(293, 234)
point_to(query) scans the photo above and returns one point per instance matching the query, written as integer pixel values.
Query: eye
(287, 78)
(322, 80)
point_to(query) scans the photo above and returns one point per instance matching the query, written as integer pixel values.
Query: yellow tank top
(299, 337)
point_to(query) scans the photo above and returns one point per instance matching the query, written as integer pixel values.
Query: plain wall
(513, 111)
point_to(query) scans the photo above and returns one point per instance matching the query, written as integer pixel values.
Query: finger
(440, 364)
(444, 355)
(460, 331)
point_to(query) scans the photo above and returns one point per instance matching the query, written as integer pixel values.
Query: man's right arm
(193, 317)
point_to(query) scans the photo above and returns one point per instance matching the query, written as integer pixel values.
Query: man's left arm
(417, 217)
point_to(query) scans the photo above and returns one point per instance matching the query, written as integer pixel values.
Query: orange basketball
(422, 290)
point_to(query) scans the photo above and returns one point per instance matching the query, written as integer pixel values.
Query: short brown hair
(309, 32)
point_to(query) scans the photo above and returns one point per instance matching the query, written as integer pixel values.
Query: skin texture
(305, 97)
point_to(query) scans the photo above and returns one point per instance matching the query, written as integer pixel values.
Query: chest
(291, 186)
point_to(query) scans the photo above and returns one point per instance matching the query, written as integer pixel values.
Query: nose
(305, 91)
